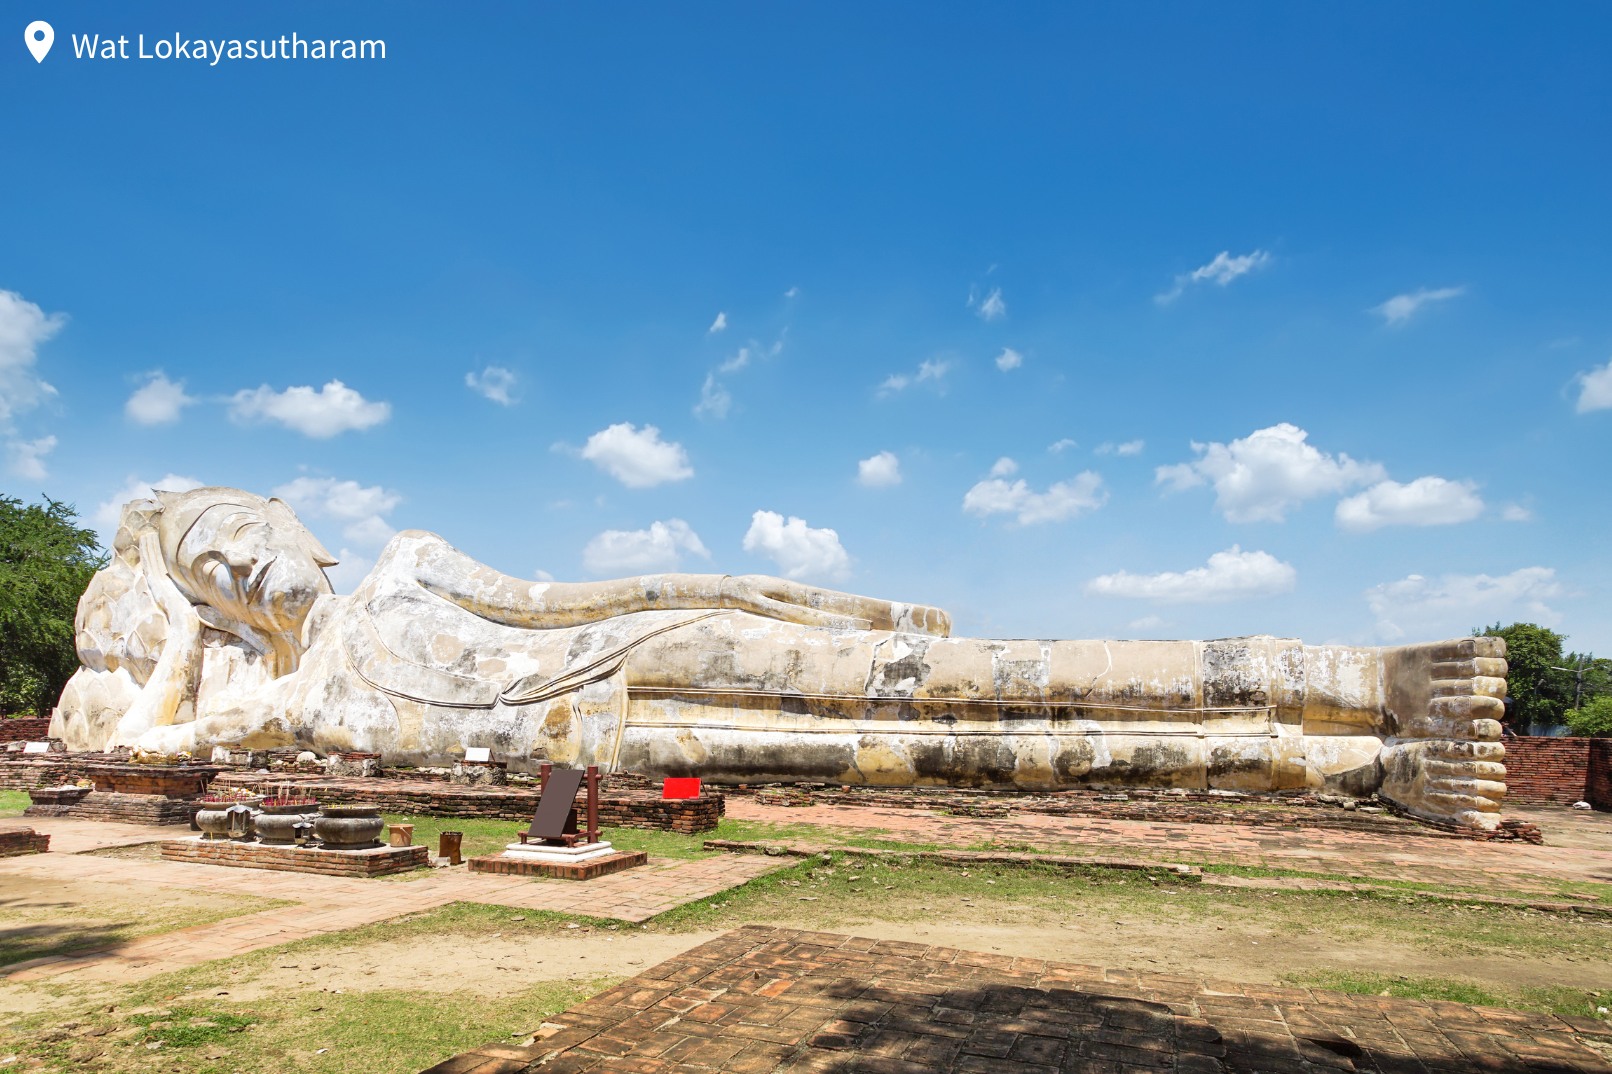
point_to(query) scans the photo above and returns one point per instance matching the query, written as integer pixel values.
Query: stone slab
(584, 870)
(376, 861)
(570, 855)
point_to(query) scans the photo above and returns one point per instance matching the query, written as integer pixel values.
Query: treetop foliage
(46, 560)
(1540, 692)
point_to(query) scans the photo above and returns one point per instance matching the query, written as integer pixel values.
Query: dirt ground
(1219, 946)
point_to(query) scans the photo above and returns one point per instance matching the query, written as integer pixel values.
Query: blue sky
(1125, 320)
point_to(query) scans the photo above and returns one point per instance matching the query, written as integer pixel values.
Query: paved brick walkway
(760, 1000)
(329, 904)
(1455, 861)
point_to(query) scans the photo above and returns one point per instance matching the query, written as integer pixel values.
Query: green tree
(1593, 718)
(1535, 690)
(1590, 678)
(46, 560)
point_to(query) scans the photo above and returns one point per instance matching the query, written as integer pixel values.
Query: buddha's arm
(439, 567)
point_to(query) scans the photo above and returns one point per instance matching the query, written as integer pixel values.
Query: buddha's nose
(240, 564)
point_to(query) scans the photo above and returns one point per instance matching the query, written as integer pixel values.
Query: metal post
(543, 771)
(593, 803)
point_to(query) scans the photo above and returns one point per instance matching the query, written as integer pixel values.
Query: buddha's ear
(284, 515)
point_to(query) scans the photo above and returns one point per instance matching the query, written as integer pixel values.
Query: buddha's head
(244, 565)
(249, 559)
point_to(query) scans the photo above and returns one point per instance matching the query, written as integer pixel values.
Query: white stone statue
(214, 624)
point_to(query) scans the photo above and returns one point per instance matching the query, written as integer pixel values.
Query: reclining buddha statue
(214, 624)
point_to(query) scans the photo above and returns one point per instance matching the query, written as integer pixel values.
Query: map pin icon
(40, 37)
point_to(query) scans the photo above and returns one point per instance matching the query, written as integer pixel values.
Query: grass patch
(388, 1031)
(186, 1027)
(12, 803)
(485, 836)
(36, 925)
(1558, 1000)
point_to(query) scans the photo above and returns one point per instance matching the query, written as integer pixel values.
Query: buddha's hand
(1443, 703)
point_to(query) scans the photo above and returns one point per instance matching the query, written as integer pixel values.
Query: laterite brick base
(379, 861)
(124, 809)
(14, 841)
(587, 870)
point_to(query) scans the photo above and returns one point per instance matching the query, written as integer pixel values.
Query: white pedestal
(566, 855)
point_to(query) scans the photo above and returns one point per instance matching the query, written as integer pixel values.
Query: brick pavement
(1454, 861)
(759, 1000)
(330, 903)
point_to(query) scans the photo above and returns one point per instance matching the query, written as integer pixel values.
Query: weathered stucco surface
(214, 624)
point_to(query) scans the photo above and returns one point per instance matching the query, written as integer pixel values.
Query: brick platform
(19, 772)
(379, 861)
(618, 808)
(556, 870)
(1287, 810)
(760, 1000)
(14, 841)
(124, 808)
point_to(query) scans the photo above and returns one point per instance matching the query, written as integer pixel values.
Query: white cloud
(1009, 359)
(1147, 622)
(1267, 473)
(1058, 447)
(799, 550)
(1516, 512)
(659, 548)
(1128, 448)
(638, 458)
(158, 401)
(931, 370)
(1063, 500)
(359, 509)
(1222, 270)
(542, 576)
(792, 292)
(26, 458)
(989, 307)
(495, 382)
(1229, 575)
(1595, 389)
(330, 411)
(880, 471)
(23, 327)
(715, 400)
(1401, 308)
(1004, 467)
(718, 325)
(1454, 604)
(1427, 501)
(105, 516)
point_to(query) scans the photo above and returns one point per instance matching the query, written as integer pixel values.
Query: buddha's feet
(1444, 761)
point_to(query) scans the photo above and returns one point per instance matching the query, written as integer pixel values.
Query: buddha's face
(253, 561)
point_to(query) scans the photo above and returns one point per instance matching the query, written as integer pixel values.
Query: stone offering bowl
(280, 824)
(348, 826)
(228, 820)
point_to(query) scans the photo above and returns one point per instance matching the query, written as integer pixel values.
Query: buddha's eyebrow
(245, 522)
